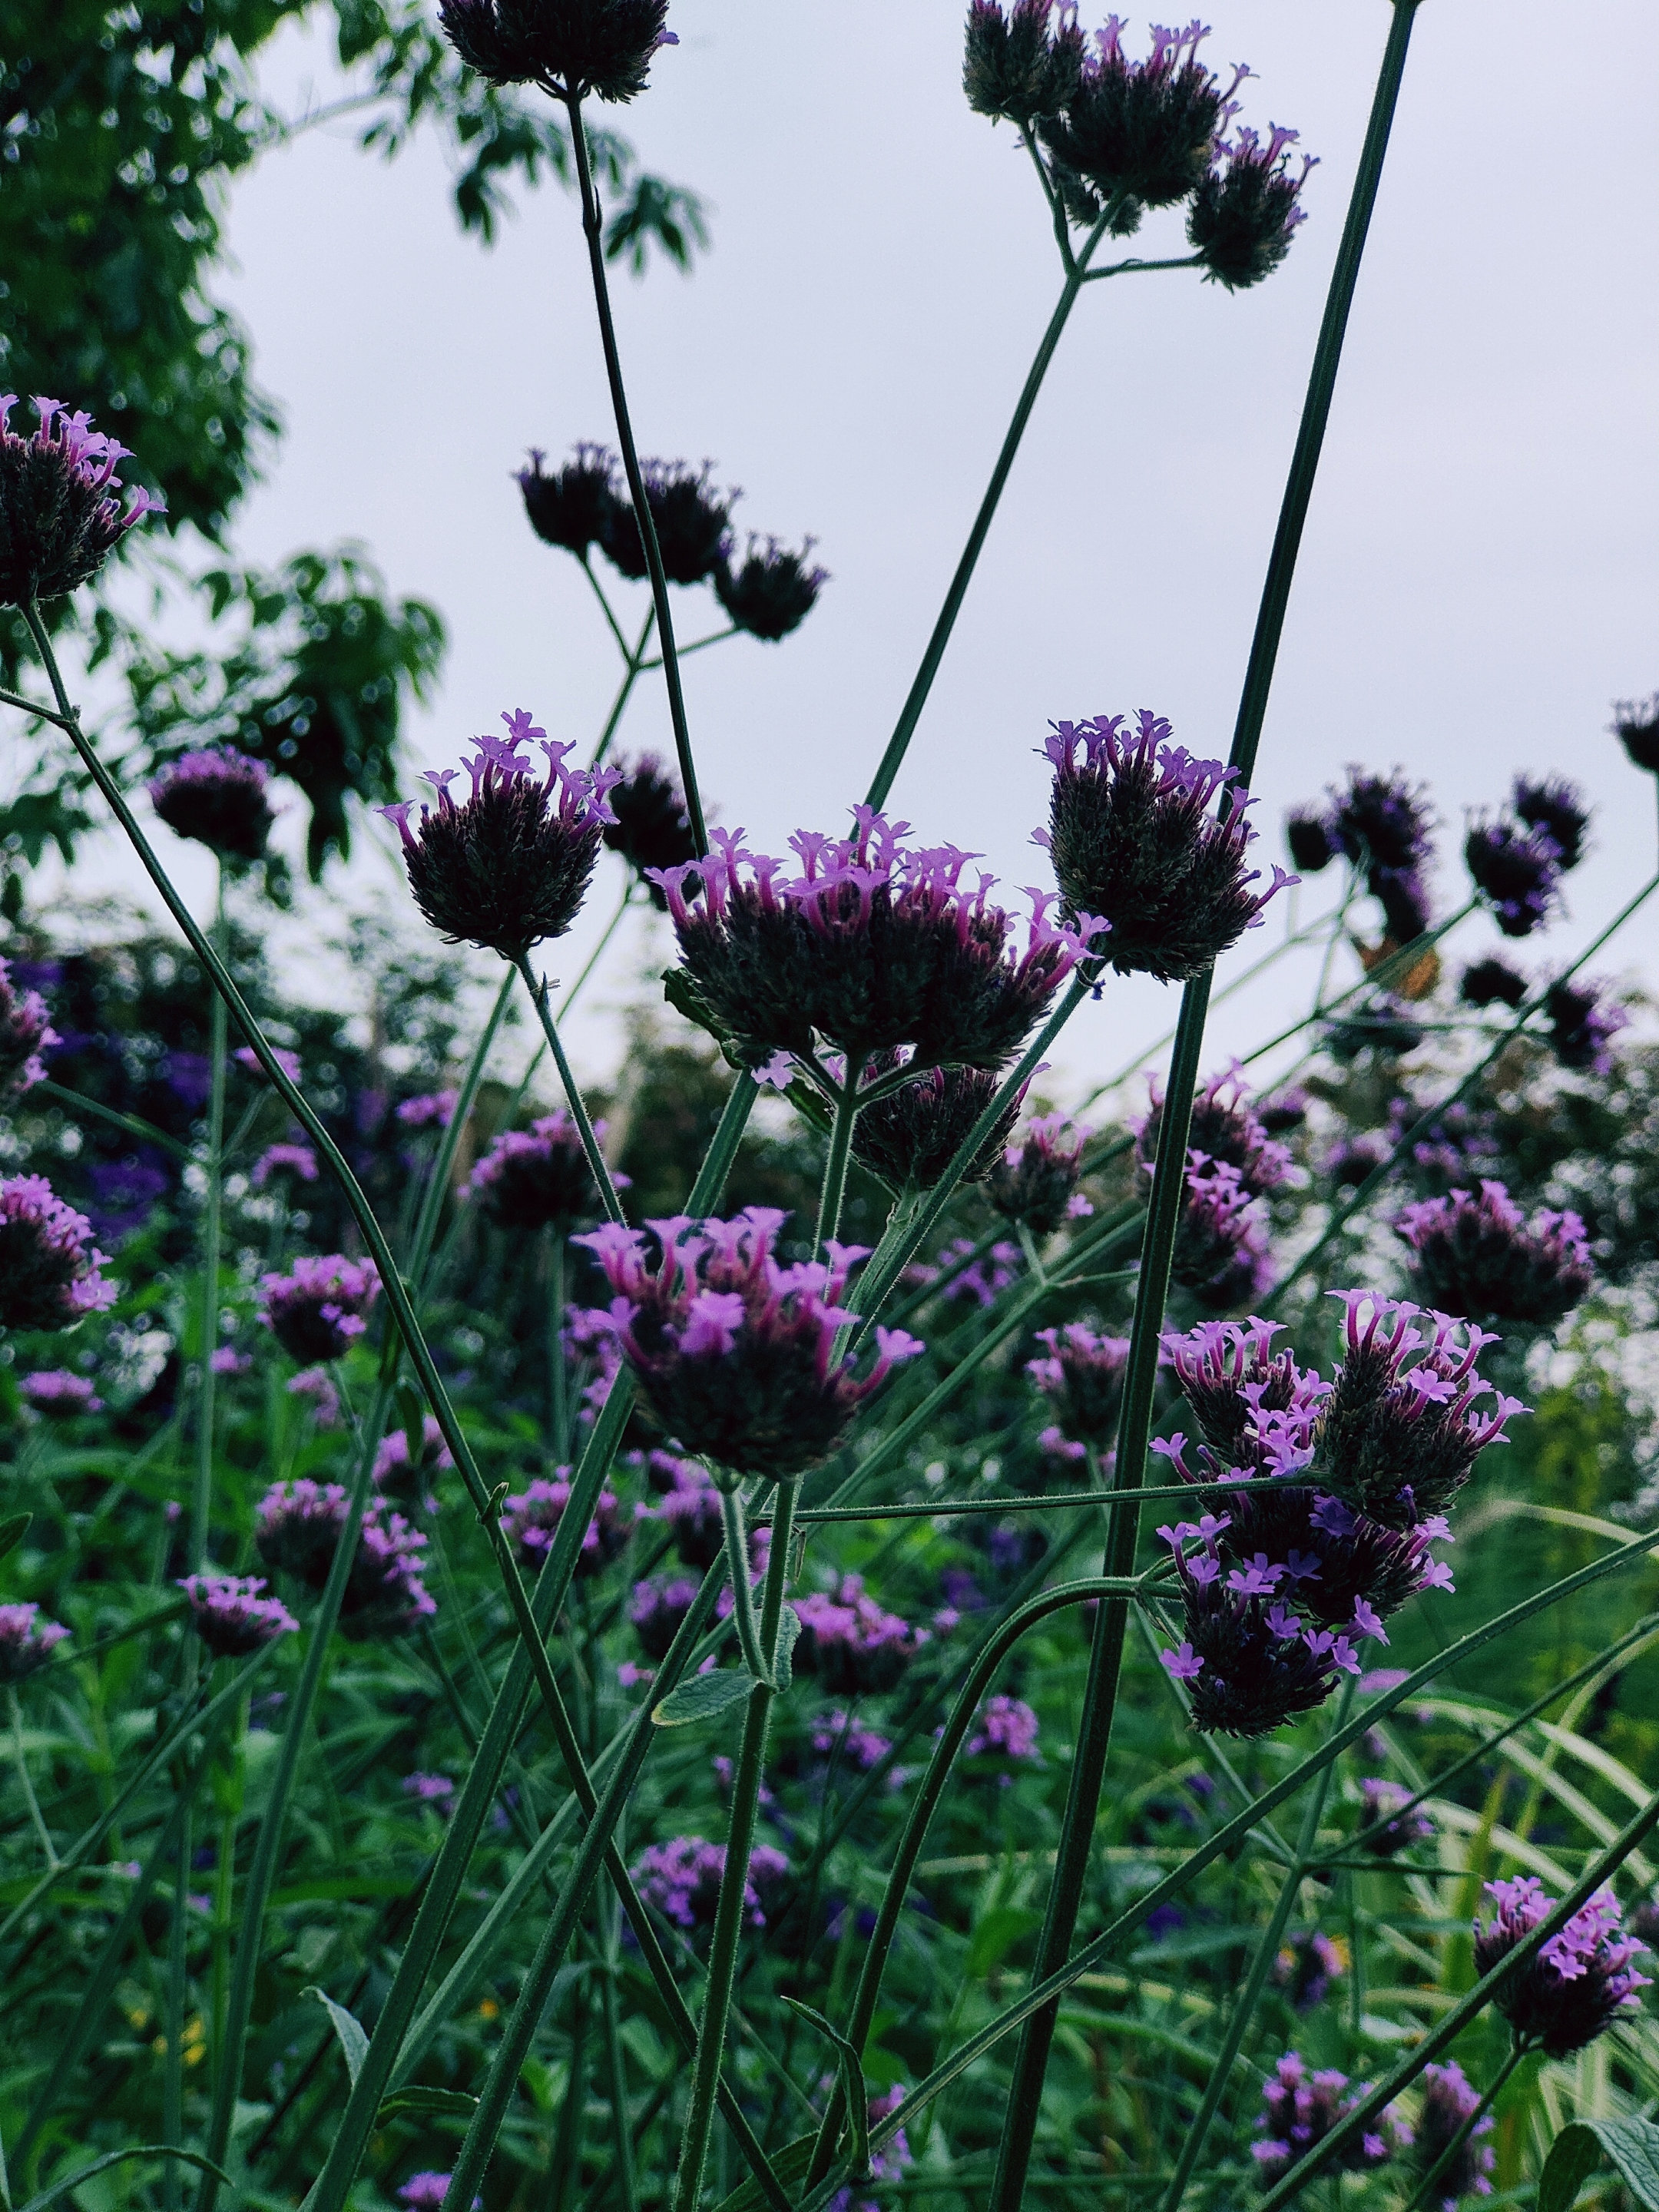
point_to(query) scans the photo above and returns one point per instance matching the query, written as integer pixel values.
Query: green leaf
(62, 2187)
(702, 1697)
(1632, 2145)
(995, 1933)
(790, 2165)
(353, 2041)
(13, 1530)
(417, 2098)
(851, 2084)
(782, 1665)
(683, 994)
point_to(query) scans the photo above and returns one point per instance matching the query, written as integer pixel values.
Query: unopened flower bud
(771, 591)
(572, 507)
(216, 797)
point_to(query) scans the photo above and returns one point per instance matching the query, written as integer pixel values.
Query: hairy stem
(834, 1187)
(601, 1174)
(634, 656)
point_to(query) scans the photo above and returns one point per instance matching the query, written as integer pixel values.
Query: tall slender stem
(558, 1414)
(834, 1187)
(735, 1881)
(671, 667)
(13, 1713)
(201, 1505)
(601, 1174)
(634, 656)
(735, 1526)
(172, 2026)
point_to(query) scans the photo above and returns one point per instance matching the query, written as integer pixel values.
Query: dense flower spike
(1299, 2109)
(571, 508)
(1305, 1966)
(298, 1527)
(540, 1178)
(1007, 1727)
(1577, 1985)
(1220, 1255)
(1582, 1026)
(1249, 1662)
(230, 1618)
(855, 1650)
(48, 1266)
(511, 864)
(1083, 1374)
(1245, 212)
(25, 1642)
(316, 1312)
(692, 1510)
(1308, 838)
(871, 947)
(1138, 134)
(531, 1521)
(682, 1879)
(731, 1350)
(1492, 982)
(60, 518)
(1020, 65)
(1449, 2099)
(650, 827)
(1636, 724)
(656, 1610)
(1226, 1128)
(1133, 841)
(1518, 869)
(1478, 1256)
(25, 1034)
(284, 1159)
(1036, 1180)
(914, 1133)
(1557, 807)
(690, 517)
(56, 1390)
(568, 47)
(771, 591)
(1381, 1799)
(217, 796)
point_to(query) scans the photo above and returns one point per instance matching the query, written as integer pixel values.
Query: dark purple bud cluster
(1138, 134)
(1448, 2100)
(1082, 1375)
(1492, 982)
(531, 1521)
(315, 1313)
(691, 519)
(25, 1034)
(60, 519)
(690, 1508)
(1134, 842)
(1299, 2109)
(1036, 1180)
(656, 1610)
(217, 796)
(1381, 826)
(48, 1264)
(1582, 1025)
(25, 1642)
(1305, 1966)
(570, 507)
(681, 1879)
(1557, 807)
(1381, 1799)
(568, 47)
(1227, 1127)
(230, 1618)
(540, 1178)
(1636, 724)
(1479, 1256)
(1309, 840)
(511, 864)
(853, 1647)
(772, 590)
(1246, 211)
(408, 1483)
(873, 946)
(1231, 1161)
(1577, 1985)
(1517, 870)
(733, 1353)
(913, 1134)
(298, 1529)
(1016, 67)
(650, 827)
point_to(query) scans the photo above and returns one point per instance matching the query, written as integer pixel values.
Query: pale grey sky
(1478, 577)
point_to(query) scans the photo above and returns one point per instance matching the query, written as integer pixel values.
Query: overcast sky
(1478, 576)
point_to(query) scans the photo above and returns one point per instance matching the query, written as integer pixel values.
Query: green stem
(735, 1881)
(449, 1143)
(715, 637)
(134, 1128)
(609, 612)
(15, 1714)
(647, 528)
(1424, 2191)
(735, 1526)
(558, 1413)
(172, 2027)
(625, 690)
(601, 1174)
(201, 1503)
(834, 1187)
(598, 953)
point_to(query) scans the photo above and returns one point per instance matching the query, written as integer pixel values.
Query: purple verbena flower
(217, 796)
(1016, 67)
(1135, 134)
(1449, 2099)
(836, 1737)
(689, 515)
(1246, 210)
(1551, 804)
(245, 1056)
(315, 1313)
(1250, 1664)
(25, 1034)
(691, 1508)
(1381, 1799)
(981, 1283)
(1036, 1180)
(230, 1618)
(772, 590)
(48, 1266)
(1226, 1128)
(853, 1647)
(656, 1610)
(1582, 1026)
(431, 1109)
(1479, 1256)
(1305, 1966)
(434, 1790)
(25, 1642)
(407, 1483)
(1007, 1726)
(429, 2192)
(1636, 724)
(298, 1527)
(570, 507)
(887, 2163)
(602, 46)
(284, 1159)
(1578, 1986)
(650, 828)
(317, 1385)
(1381, 821)
(1308, 840)
(1355, 1159)
(1518, 869)
(56, 1391)
(1299, 2109)
(1220, 1255)
(540, 1178)
(913, 1134)
(60, 519)
(1083, 1374)
(531, 1521)
(682, 1879)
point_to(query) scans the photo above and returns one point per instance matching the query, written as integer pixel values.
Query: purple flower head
(1299, 2109)
(431, 1109)
(1007, 1727)
(1449, 2099)
(886, 2164)
(284, 1159)
(1249, 1662)
(854, 1649)
(1308, 840)
(437, 1789)
(836, 1737)
(1492, 982)
(230, 1618)
(682, 1879)
(1557, 807)
(1136, 134)
(651, 828)
(25, 1642)
(690, 516)
(981, 1283)
(1355, 1159)
(1226, 1128)
(56, 1391)
(60, 519)
(429, 2192)
(1579, 1984)
(1083, 1374)
(1582, 1026)
(1517, 870)
(1220, 1255)
(1381, 1800)
(25, 1034)
(1636, 724)
(1036, 1180)
(407, 1483)
(1246, 211)
(1479, 1256)
(571, 508)
(603, 46)
(48, 1266)
(298, 1526)
(1133, 839)
(772, 590)
(656, 1610)
(912, 1135)
(874, 945)
(691, 1508)
(217, 796)
(317, 1385)
(1383, 823)
(1304, 1967)
(316, 1312)
(540, 1178)
(1019, 65)
(531, 1521)
(734, 1350)
(245, 1056)
(510, 864)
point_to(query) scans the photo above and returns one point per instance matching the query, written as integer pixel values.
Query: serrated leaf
(1632, 2145)
(13, 1530)
(790, 2165)
(354, 2043)
(417, 2098)
(703, 1698)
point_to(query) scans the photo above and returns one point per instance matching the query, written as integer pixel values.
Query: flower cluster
(1448, 2100)
(511, 864)
(1246, 211)
(25, 1642)
(1036, 1180)
(682, 1879)
(873, 946)
(913, 1134)
(540, 1178)
(1382, 1800)
(57, 1390)
(602, 46)
(1133, 842)
(430, 1109)
(656, 1610)
(966, 1275)
(771, 591)
(216, 797)
(1636, 724)
(48, 1266)
(1305, 1966)
(854, 1649)
(1582, 1026)
(407, 1482)
(1492, 982)
(1479, 1256)
(315, 1313)
(690, 1508)
(1299, 2109)
(531, 1521)
(690, 517)
(1381, 825)
(60, 519)
(649, 825)
(732, 1351)
(1082, 1375)
(1135, 134)
(1007, 1727)
(284, 1159)
(298, 1529)
(1517, 870)
(837, 1737)
(429, 2192)
(1015, 67)
(570, 508)
(25, 1034)
(1578, 1984)
(1231, 1161)
(230, 1616)
(1557, 807)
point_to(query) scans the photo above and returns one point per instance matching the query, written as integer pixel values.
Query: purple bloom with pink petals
(732, 1349)
(1135, 134)
(1579, 1984)
(1299, 2109)
(1226, 1128)
(1306, 1965)
(48, 1266)
(431, 1109)
(1082, 1375)
(245, 1056)
(853, 1647)
(298, 1527)
(540, 1178)
(25, 1034)
(429, 2192)
(531, 1521)
(913, 1133)
(216, 796)
(231, 1617)
(60, 519)
(1036, 1180)
(434, 1790)
(315, 1313)
(1479, 1256)
(1250, 1664)
(284, 1159)
(56, 1391)
(26, 1641)
(682, 1879)
(406, 1483)
(1449, 2098)
(1007, 1726)
(656, 1610)
(691, 1508)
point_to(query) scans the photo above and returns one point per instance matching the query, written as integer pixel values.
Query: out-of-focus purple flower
(691, 1508)
(25, 1034)
(429, 2192)
(245, 1056)
(1518, 869)
(1220, 1255)
(1246, 211)
(1299, 2109)
(227, 1360)
(407, 1483)
(772, 590)
(217, 796)
(656, 1610)
(437, 1790)
(689, 514)
(1008, 1727)
(836, 1737)
(982, 1281)
(60, 519)
(1036, 1180)
(1133, 842)
(885, 2164)
(1309, 840)
(298, 1527)
(25, 1642)
(431, 1109)
(230, 1618)
(540, 1178)
(1381, 821)
(1492, 982)
(1449, 2099)
(1577, 1985)
(603, 46)
(1550, 803)
(1381, 1799)
(1636, 724)
(531, 1521)
(315, 1313)
(1354, 1159)
(1226, 1128)
(56, 1390)
(317, 1385)
(569, 507)
(1479, 1256)
(511, 864)
(1305, 1966)
(1083, 1374)
(1582, 1026)
(913, 1134)
(48, 1267)
(854, 1648)
(682, 1879)
(1015, 68)
(284, 1159)
(731, 1350)
(652, 828)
